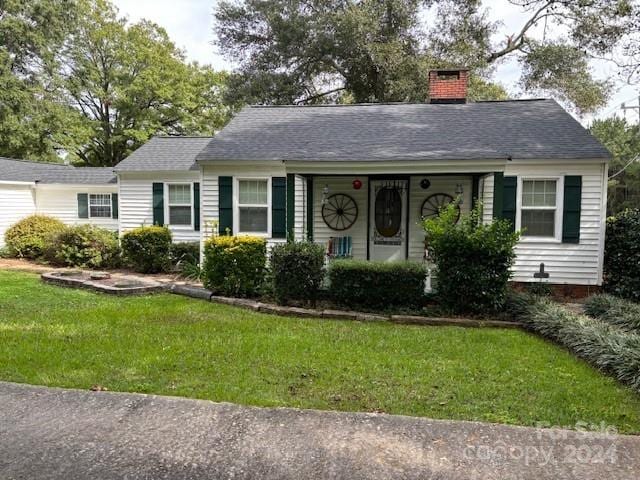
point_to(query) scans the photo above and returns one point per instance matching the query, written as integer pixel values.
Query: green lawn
(172, 345)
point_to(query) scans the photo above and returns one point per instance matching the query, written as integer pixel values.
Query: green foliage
(623, 141)
(84, 246)
(147, 249)
(605, 346)
(326, 51)
(234, 266)
(379, 285)
(297, 271)
(622, 255)
(29, 237)
(615, 311)
(185, 257)
(473, 260)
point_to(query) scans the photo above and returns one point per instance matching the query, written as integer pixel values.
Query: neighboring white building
(359, 179)
(73, 195)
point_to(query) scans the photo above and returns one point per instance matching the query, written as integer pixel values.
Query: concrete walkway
(68, 434)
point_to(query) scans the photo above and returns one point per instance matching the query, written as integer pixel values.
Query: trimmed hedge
(361, 283)
(622, 255)
(615, 311)
(234, 266)
(607, 347)
(29, 237)
(473, 260)
(297, 271)
(147, 249)
(84, 246)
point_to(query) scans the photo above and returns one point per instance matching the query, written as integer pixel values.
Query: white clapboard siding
(567, 262)
(358, 232)
(16, 202)
(439, 184)
(486, 194)
(61, 202)
(136, 201)
(300, 209)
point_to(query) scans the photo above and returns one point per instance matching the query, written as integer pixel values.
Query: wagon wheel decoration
(339, 212)
(434, 204)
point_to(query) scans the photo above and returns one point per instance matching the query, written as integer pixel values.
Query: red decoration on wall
(357, 184)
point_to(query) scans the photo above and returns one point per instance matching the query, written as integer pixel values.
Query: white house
(358, 179)
(73, 195)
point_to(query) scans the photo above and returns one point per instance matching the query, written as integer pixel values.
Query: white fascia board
(12, 182)
(396, 167)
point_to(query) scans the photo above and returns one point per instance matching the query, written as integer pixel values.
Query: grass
(173, 345)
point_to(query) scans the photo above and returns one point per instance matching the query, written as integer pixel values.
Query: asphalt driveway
(48, 433)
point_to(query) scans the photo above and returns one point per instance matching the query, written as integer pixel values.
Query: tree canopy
(79, 79)
(623, 141)
(313, 51)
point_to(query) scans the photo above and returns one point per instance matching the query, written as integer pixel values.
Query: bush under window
(622, 255)
(379, 285)
(147, 249)
(473, 260)
(297, 271)
(234, 266)
(29, 237)
(84, 246)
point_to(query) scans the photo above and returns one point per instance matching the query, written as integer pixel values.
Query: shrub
(473, 260)
(234, 266)
(605, 346)
(615, 311)
(361, 283)
(185, 258)
(28, 237)
(84, 246)
(622, 255)
(297, 271)
(147, 249)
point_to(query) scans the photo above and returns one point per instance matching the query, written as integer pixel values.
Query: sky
(190, 25)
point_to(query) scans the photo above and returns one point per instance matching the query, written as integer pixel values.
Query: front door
(388, 220)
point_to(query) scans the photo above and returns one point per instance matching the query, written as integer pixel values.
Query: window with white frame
(253, 206)
(100, 205)
(179, 204)
(539, 208)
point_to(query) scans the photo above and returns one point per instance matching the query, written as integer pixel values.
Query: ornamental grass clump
(615, 311)
(607, 347)
(234, 266)
(473, 259)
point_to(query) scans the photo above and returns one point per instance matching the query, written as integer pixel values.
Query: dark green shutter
(509, 194)
(158, 203)
(196, 207)
(310, 209)
(114, 205)
(498, 194)
(571, 209)
(279, 207)
(83, 205)
(225, 205)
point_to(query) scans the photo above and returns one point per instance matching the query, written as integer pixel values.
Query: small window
(180, 204)
(100, 205)
(253, 207)
(539, 204)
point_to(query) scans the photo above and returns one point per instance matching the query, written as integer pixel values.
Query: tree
(130, 82)
(310, 51)
(623, 141)
(32, 121)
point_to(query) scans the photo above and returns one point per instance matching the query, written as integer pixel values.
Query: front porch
(379, 216)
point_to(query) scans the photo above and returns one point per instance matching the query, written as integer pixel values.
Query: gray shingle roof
(522, 129)
(165, 154)
(54, 173)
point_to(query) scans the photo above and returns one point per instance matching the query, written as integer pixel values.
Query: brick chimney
(448, 85)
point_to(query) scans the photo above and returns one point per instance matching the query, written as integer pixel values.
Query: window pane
(252, 192)
(539, 193)
(253, 219)
(180, 194)
(538, 223)
(179, 215)
(100, 205)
